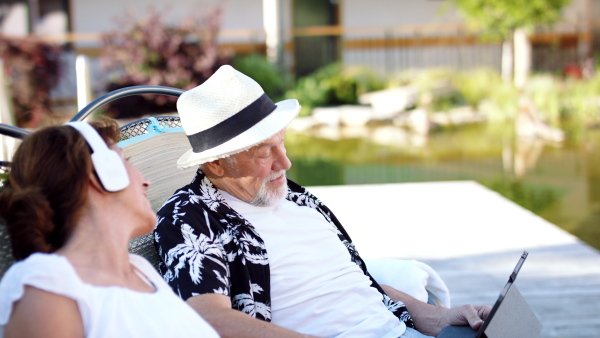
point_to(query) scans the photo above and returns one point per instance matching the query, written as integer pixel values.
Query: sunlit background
(505, 93)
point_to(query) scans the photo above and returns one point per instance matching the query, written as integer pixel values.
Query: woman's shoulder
(40, 270)
(39, 264)
(46, 272)
(39, 257)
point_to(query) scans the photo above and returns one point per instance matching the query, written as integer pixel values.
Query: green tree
(500, 18)
(509, 20)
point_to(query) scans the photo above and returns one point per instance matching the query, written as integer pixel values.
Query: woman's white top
(106, 311)
(316, 289)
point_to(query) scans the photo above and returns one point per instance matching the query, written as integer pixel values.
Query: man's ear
(216, 167)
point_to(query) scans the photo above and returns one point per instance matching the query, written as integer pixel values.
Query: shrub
(34, 67)
(332, 85)
(547, 93)
(148, 52)
(481, 88)
(423, 79)
(502, 101)
(354, 81)
(569, 104)
(262, 71)
(434, 86)
(4, 171)
(476, 85)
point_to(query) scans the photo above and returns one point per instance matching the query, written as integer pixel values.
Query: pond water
(559, 183)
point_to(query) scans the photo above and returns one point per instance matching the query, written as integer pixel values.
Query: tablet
(511, 316)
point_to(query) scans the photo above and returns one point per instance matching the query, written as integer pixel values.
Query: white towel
(409, 276)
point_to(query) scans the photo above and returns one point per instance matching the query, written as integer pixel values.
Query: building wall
(577, 11)
(380, 13)
(93, 16)
(14, 19)
(404, 19)
(404, 22)
(242, 21)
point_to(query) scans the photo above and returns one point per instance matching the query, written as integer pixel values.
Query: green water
(559, 183)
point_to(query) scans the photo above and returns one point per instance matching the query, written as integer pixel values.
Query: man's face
(257, 176)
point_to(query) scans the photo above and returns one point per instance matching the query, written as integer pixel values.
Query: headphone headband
(90, 135)
(107, 162)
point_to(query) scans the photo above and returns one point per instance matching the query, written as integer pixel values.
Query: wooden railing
(393, 48)
(410, 35)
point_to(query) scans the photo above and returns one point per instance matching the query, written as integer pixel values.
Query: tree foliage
(499, 18)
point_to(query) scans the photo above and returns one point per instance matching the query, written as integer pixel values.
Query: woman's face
(134, 200)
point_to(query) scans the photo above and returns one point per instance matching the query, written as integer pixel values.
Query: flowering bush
(148, 52)
(33, 67)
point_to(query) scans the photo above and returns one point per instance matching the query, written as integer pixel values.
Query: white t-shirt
(315, 287)
(106, 311)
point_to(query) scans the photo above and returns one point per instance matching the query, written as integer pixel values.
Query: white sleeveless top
(106, 311)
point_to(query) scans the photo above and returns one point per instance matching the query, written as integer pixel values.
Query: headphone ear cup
(111, 170)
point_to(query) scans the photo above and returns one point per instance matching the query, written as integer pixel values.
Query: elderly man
(256, 254)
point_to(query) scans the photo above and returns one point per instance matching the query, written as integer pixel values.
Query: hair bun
(28, 218)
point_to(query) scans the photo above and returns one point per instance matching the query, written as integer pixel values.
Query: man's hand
(468, 315)
(430, 319)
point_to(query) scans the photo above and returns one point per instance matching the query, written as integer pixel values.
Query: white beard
(268, 197)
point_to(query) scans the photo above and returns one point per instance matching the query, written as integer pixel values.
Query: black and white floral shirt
(207, 247)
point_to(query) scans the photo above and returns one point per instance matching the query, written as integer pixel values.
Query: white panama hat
(227, 114)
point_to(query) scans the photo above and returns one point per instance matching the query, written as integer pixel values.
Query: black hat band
(233, 125)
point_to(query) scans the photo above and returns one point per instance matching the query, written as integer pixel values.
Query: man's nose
(282, 162)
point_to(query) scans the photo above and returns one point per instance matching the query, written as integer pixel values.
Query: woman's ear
(95, 183)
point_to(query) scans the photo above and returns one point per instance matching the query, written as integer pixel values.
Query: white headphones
(107, 162)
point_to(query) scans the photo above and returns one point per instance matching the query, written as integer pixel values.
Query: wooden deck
(473, 237)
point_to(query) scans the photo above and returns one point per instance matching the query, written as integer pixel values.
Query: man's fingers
(472, 316)
(469, 314)
(483, 311)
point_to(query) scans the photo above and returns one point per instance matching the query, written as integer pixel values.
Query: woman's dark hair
(47, 187)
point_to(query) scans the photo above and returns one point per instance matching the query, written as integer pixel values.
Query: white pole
(272, 22)
(6, 114)
(84, 88)
(7, 144)
(507, 60)
(522, 60)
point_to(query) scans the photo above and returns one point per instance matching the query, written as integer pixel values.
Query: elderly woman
(71, 205)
